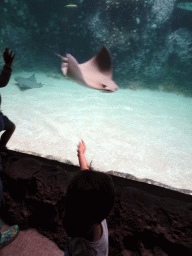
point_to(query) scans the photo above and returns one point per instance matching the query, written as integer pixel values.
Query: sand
(145, 133)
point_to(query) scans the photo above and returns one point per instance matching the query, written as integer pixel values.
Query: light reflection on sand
(144, 133)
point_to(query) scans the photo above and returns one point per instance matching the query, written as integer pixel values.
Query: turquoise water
(144, 133)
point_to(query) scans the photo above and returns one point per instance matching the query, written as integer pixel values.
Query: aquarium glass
(143, 130)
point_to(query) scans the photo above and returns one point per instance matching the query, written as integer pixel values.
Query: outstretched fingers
(81, 147)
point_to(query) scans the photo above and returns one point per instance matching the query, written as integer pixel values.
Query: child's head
(89, 200)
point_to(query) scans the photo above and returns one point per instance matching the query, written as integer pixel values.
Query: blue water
(144, 133)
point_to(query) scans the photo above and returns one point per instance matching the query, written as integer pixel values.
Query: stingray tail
(60, 56)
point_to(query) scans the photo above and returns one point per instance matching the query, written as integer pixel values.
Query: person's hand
(8, 57)
(81, 148)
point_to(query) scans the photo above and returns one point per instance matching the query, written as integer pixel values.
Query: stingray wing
(97, 72)
(100, 63)
(71, 69)
(32, 78)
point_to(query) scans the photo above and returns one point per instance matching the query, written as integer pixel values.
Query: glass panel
(145, 127)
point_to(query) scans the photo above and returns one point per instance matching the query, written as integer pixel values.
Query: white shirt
(80, 246)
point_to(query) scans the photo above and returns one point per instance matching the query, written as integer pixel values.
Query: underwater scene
(115, 73)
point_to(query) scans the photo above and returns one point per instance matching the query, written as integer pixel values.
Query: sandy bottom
(145, 133)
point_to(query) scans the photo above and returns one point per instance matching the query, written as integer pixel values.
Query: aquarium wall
(142, 129)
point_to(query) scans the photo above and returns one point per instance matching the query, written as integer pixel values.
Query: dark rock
(143, 224)
(23, 168)
(145, 220)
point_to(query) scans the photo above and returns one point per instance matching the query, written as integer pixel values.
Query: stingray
(96, 73)
(27, 83)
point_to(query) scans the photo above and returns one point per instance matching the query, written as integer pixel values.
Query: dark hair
(89, 200)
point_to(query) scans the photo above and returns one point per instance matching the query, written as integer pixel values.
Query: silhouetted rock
(143, 221)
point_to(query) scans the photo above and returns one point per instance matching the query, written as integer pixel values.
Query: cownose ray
(27, 83)
(96, 73)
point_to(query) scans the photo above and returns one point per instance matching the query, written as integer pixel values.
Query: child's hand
(81, 148)
(8, 57)
(80, 152)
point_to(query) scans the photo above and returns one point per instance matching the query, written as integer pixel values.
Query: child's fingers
(79, 144)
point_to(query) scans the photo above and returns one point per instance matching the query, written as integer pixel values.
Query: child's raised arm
(6, 72)
(80, 153)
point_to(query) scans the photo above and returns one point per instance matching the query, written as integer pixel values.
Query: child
(10, 234)
(5, 123)
(88, 202)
